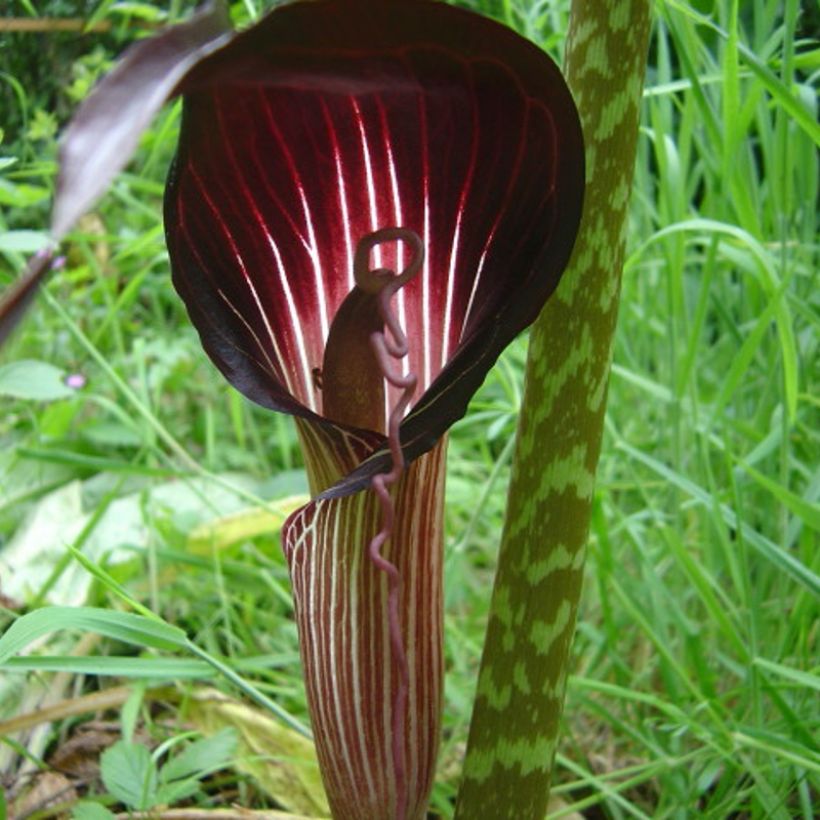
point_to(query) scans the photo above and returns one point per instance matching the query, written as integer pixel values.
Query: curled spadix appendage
(372, 280)
(383, 284)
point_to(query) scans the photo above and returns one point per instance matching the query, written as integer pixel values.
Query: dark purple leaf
(19, 296)
(106, 129)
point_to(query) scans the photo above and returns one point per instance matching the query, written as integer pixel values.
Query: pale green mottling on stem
(553, 691)
(619, 16)
(597, 395)
(504, 611)
(517, 752)
(598, 59)
(559, 557)
(496, 698)
(582, 32)
(569, 471)
(620, 195)
(544, 634)
(524, 668)
(567, 368)
(612, 115)
(570, 283)
(608, 294)
(522, 682)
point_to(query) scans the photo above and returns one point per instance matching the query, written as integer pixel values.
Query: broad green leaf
(130, 774)
(169, 793)
(121, 626)
(33, 380)
(23, 241)
(90, 810)
(250, 523)
(111, 433)
(202, 756)
(21, 196)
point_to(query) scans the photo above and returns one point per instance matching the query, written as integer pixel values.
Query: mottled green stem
(524, 667)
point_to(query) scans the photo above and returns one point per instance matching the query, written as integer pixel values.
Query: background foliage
(696, 667)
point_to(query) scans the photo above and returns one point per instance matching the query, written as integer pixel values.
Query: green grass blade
(160, 668)
(120, 626)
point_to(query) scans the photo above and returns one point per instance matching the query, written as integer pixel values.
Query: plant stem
(532, 618)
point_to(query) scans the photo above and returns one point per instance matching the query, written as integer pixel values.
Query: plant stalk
(523, 674)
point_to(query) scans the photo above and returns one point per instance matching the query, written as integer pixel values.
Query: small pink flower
(76, 381)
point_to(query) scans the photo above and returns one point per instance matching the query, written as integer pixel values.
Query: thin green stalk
(524, 667)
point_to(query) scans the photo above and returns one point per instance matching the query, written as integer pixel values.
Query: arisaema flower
(370, 199)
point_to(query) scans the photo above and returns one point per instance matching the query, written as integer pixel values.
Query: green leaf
(131, 709)
(21, 196)
(90, 810)
(202, 756)
(135, 668)
(764, 269)
(23, 241)
(121, 626)
(281, 761)
(779, 558)
(170, 793)
(221, 532)
(782, 95)
(806, 511)
(805, 680)
(129, 773)
(33, 380)
(142, 11)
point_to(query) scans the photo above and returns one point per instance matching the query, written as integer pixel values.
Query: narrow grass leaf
(781, 559)
(778, 746)
(121, 626)
(703, 230)
(707, 588)
(805, 680)
(779, 92)
(805, 510)
(159, 668)
(111, 584)
(789, 102)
